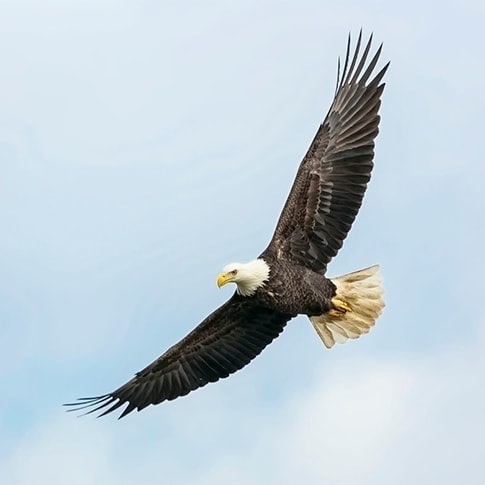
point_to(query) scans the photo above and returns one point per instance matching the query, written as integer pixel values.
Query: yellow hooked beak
(224, 278)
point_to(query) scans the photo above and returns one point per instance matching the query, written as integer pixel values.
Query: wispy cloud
(120, 125)
(403, 419)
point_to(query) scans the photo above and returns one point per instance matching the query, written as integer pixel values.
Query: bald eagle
(288, 278)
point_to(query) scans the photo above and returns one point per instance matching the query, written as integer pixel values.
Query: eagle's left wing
(227, 340)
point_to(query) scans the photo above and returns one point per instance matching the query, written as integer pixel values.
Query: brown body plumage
(311, 295)
(288, 277)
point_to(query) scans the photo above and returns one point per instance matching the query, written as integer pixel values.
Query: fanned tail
(356, 306)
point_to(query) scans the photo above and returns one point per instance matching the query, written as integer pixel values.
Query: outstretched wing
(332, 178)
(223, 343)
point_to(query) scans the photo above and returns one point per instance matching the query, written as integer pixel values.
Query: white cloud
(343, 430)
(116, 134)
(396, 419)
(64, 450)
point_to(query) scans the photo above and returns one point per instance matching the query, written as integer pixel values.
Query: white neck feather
(250, 276)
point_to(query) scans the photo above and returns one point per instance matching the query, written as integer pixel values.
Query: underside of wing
(223, 343)
(332, 178)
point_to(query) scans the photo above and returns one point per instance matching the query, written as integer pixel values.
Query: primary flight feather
(287, 279)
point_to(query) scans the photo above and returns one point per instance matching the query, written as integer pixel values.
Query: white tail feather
(357, 305)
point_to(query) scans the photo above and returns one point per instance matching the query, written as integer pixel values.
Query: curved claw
(340, 308)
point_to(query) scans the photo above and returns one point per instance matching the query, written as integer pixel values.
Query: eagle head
(247, 276)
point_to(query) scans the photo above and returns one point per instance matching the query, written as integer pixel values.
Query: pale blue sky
(144, 145)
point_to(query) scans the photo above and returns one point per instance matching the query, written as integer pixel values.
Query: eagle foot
(340, 308)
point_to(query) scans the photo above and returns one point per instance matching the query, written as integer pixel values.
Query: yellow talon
(340, 307)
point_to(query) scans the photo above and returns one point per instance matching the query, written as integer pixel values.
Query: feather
(287, 279)
(223, 343)
(332, 178)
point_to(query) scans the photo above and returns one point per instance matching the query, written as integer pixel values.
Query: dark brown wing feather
(223, 343)
(332, 178)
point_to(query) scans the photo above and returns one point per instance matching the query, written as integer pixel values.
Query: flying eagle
(287, 278)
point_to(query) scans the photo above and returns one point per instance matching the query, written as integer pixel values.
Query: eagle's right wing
(223, 343)
(332, 178)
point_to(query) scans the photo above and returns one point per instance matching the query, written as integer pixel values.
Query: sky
(143, 146)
